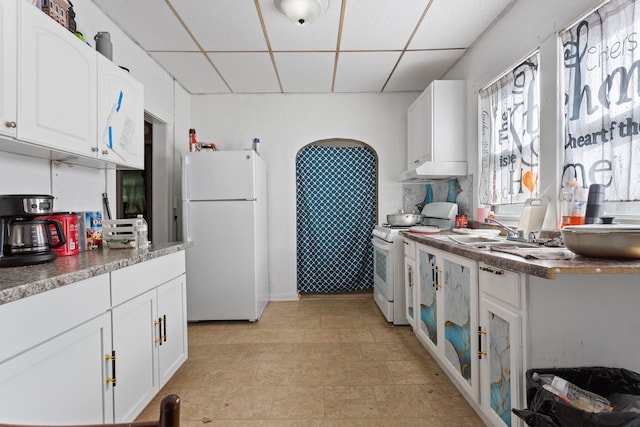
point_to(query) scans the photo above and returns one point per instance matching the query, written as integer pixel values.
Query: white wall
(527, 26)
(285, 124)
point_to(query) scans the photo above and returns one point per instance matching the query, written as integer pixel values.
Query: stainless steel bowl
(615, 241)
(404, 219)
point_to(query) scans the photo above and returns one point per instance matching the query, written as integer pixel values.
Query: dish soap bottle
(142, 232)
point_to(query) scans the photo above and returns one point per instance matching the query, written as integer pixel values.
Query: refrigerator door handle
(185, 218)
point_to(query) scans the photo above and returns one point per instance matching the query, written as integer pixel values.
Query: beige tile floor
(321, 361)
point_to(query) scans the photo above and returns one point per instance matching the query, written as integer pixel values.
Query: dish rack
(119, 233)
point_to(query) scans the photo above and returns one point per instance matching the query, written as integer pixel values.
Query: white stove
(388, 260)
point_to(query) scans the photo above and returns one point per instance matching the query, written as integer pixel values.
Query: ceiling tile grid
(248, 46)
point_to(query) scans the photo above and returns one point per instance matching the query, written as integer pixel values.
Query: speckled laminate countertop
(20, 282)
(547, 269)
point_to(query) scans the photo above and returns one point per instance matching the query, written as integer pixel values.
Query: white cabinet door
(134, 334)
(61, 381)
(172, 312)
(414, 122)
(436, 124)
(426, 128)
(410, 296)
(459, 320)
(446, 294)
(428, 298)
(500, 367)
(120, 136)
(410, 281)
(56, 85)
(501, 356)
(8, 76)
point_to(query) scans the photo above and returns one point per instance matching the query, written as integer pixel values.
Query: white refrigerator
(224, 209)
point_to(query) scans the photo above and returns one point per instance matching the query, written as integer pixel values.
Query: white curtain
(509, 114)
(601, 81)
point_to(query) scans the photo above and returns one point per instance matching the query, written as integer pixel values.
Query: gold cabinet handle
(481, 332)
(112, 357)
(10, 124)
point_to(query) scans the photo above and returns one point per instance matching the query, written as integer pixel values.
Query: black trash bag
(547, 410)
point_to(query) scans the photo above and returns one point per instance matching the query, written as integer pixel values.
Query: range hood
(435, 171)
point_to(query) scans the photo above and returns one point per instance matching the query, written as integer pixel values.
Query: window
(510, 137)
(601, 82)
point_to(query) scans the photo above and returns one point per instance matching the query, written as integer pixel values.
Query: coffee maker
(26, 240)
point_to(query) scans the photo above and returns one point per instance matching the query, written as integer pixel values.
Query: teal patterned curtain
(336, 213)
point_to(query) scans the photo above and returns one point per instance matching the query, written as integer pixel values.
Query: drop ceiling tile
(158, 30)
(322, 34)
(305, 72)
(247, 72)
(364, 71)
(223, 25)
(456, 23)
(192, 70)
(418, 68)
(380, 24)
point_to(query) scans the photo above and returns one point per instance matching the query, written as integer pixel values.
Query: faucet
(509, 230)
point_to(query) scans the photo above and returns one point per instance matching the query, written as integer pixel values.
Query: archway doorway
(336, 199)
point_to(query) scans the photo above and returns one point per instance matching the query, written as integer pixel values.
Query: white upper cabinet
(8, 68)
(120, 116)
(56, 85)
(436, 131)
(60, 99)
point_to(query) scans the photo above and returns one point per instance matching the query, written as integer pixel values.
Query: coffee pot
(24, 238)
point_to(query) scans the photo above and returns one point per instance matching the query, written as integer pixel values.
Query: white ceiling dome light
(302, 12)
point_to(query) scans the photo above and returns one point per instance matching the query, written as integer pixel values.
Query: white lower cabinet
(49, 344)
(172, 312)
(150, 327)
(447, 297)
(134, 347)
(149, 330)
(500, 352)
(61, 381)
(105, 360)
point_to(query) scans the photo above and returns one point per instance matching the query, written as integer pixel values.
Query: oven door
(383, 273)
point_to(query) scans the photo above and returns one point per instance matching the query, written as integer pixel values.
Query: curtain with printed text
(601, 82)
(510, 136)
